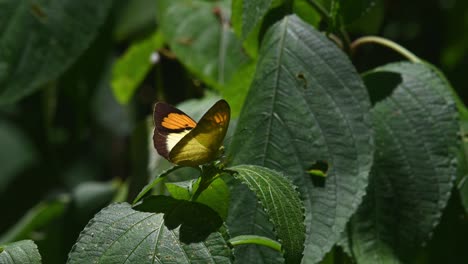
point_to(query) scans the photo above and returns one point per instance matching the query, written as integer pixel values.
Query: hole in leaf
(301, 78)
(318, 172)
(380, 85)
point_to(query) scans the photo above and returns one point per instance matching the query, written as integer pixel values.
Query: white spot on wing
(174, 138)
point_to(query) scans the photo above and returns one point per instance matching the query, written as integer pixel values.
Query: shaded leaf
(307, 103)
(282, 204)
(414, 169)
(16, 153)
(202, 40)
(37, 217)
(20, 252)
(135, 17)
(197, 221)
(119, 234)
(40, 40)
(89, 197)
(216, 196)
(353, 10)
(248, 13)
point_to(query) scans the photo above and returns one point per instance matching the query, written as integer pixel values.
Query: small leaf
(412, 177)
(20, 252)
(41, 39)
(282, 204)
(197, 221)
(130, 70)
(119, 234)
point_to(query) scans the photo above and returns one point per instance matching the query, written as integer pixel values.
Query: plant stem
(257, 240)
(387, 43)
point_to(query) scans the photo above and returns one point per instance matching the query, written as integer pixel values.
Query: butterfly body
(179, 139)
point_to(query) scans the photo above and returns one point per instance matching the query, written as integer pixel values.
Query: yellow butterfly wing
(202, 143)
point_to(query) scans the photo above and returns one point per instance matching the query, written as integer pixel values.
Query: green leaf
(236, 90)
(119, 234)
(130, 70)
(20, 252)
(216, 196)
(39, 216)
(307, 103)
(16, 153)
(198, 33)
(281, 202)
(244, 205)
(197, 221)
(180, 190)
(306, 12)
(249, 13)
(412, 177)
(40, 40)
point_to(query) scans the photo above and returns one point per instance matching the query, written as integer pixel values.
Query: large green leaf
(412, 177)
(199, 34)
(119, 234)
(281, 202)
(20, 252)
(307, 103)
(40, 40)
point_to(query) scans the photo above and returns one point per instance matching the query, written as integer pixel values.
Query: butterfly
(182, 141)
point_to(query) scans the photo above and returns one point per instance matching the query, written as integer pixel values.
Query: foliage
(334, 153)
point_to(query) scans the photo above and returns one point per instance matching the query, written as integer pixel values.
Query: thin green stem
(256, 240)
(387, 43)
